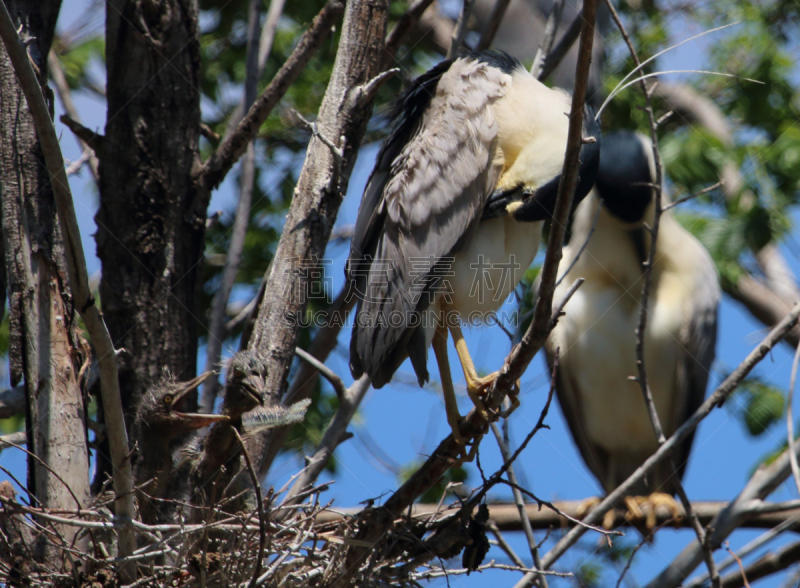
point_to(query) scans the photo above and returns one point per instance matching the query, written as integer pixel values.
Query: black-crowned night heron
(452, 214)
(605, 410)
(215, 459)
(160, 422)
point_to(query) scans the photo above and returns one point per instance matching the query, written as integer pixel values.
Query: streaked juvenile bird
(160, 423)
(215, 461)
(452, 214)
(605, 409)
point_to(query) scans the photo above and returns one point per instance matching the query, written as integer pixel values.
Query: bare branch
(543, 322)
(461, 29)
(764, 566)
(65, 95)
(503, 544)
(558, 53)
(645, 298)
(493, 24)
(79, 281)
(711, 188)
(231, 149)
(233, 259)
(546, 44)
(262, 524)
(502, 442)
(268, 34)
(790, 438)
(762, 302)
(507, 517)
(86, 136)
(330, 375)
(13, 440)
(333, 435)
(395, 38)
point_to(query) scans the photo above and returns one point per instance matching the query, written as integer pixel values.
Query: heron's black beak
(254, 385)
(194, 420)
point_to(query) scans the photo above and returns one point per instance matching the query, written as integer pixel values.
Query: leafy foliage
(759, 405)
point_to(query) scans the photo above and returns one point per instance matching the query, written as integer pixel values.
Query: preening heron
(452, 215)
(605, 410)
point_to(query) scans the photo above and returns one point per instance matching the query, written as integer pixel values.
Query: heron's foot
(609, 519)
(476, 389)
(644, 508)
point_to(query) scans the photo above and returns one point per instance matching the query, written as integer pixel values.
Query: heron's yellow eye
(168, 399)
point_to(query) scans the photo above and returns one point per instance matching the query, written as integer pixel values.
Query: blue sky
(403, 423)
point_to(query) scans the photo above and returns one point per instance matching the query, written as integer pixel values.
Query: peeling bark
(47, 351)
(320, 189)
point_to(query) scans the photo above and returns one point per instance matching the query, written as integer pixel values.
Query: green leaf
(762, 407)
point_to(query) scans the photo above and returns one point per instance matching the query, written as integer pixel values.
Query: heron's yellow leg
(450, 404)
(476, 385)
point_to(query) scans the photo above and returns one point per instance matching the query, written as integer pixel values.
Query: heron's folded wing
(698, 341)
(421, 204)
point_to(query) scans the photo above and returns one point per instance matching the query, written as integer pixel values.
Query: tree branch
(493, 24)
(233, 259)
(231, 149)
(65, 95)
(507, 516)
(766, 565)
(334, 434)
(460, 30)
(546, 44)
(79, 281)
(395, 38)
(342, 118)
(558, 53)
(763, 482)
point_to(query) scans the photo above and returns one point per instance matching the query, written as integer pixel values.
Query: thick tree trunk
(47, 352)
(343, 118)
(151, 221)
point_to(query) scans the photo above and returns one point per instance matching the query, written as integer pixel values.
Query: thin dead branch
(461, 29)
(233, 259)
(398, 34)
(493, 24)
(65, 95)
(556, 56)
(644, 299)
(231, 149)
(78, 279)
(546, 44)
(507, 518)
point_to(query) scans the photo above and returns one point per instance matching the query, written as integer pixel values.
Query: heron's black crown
(622, 176)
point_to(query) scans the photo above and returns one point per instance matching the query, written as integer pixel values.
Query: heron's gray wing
(698, 341)
(595, 457)
(408, 111)
(422, 203)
